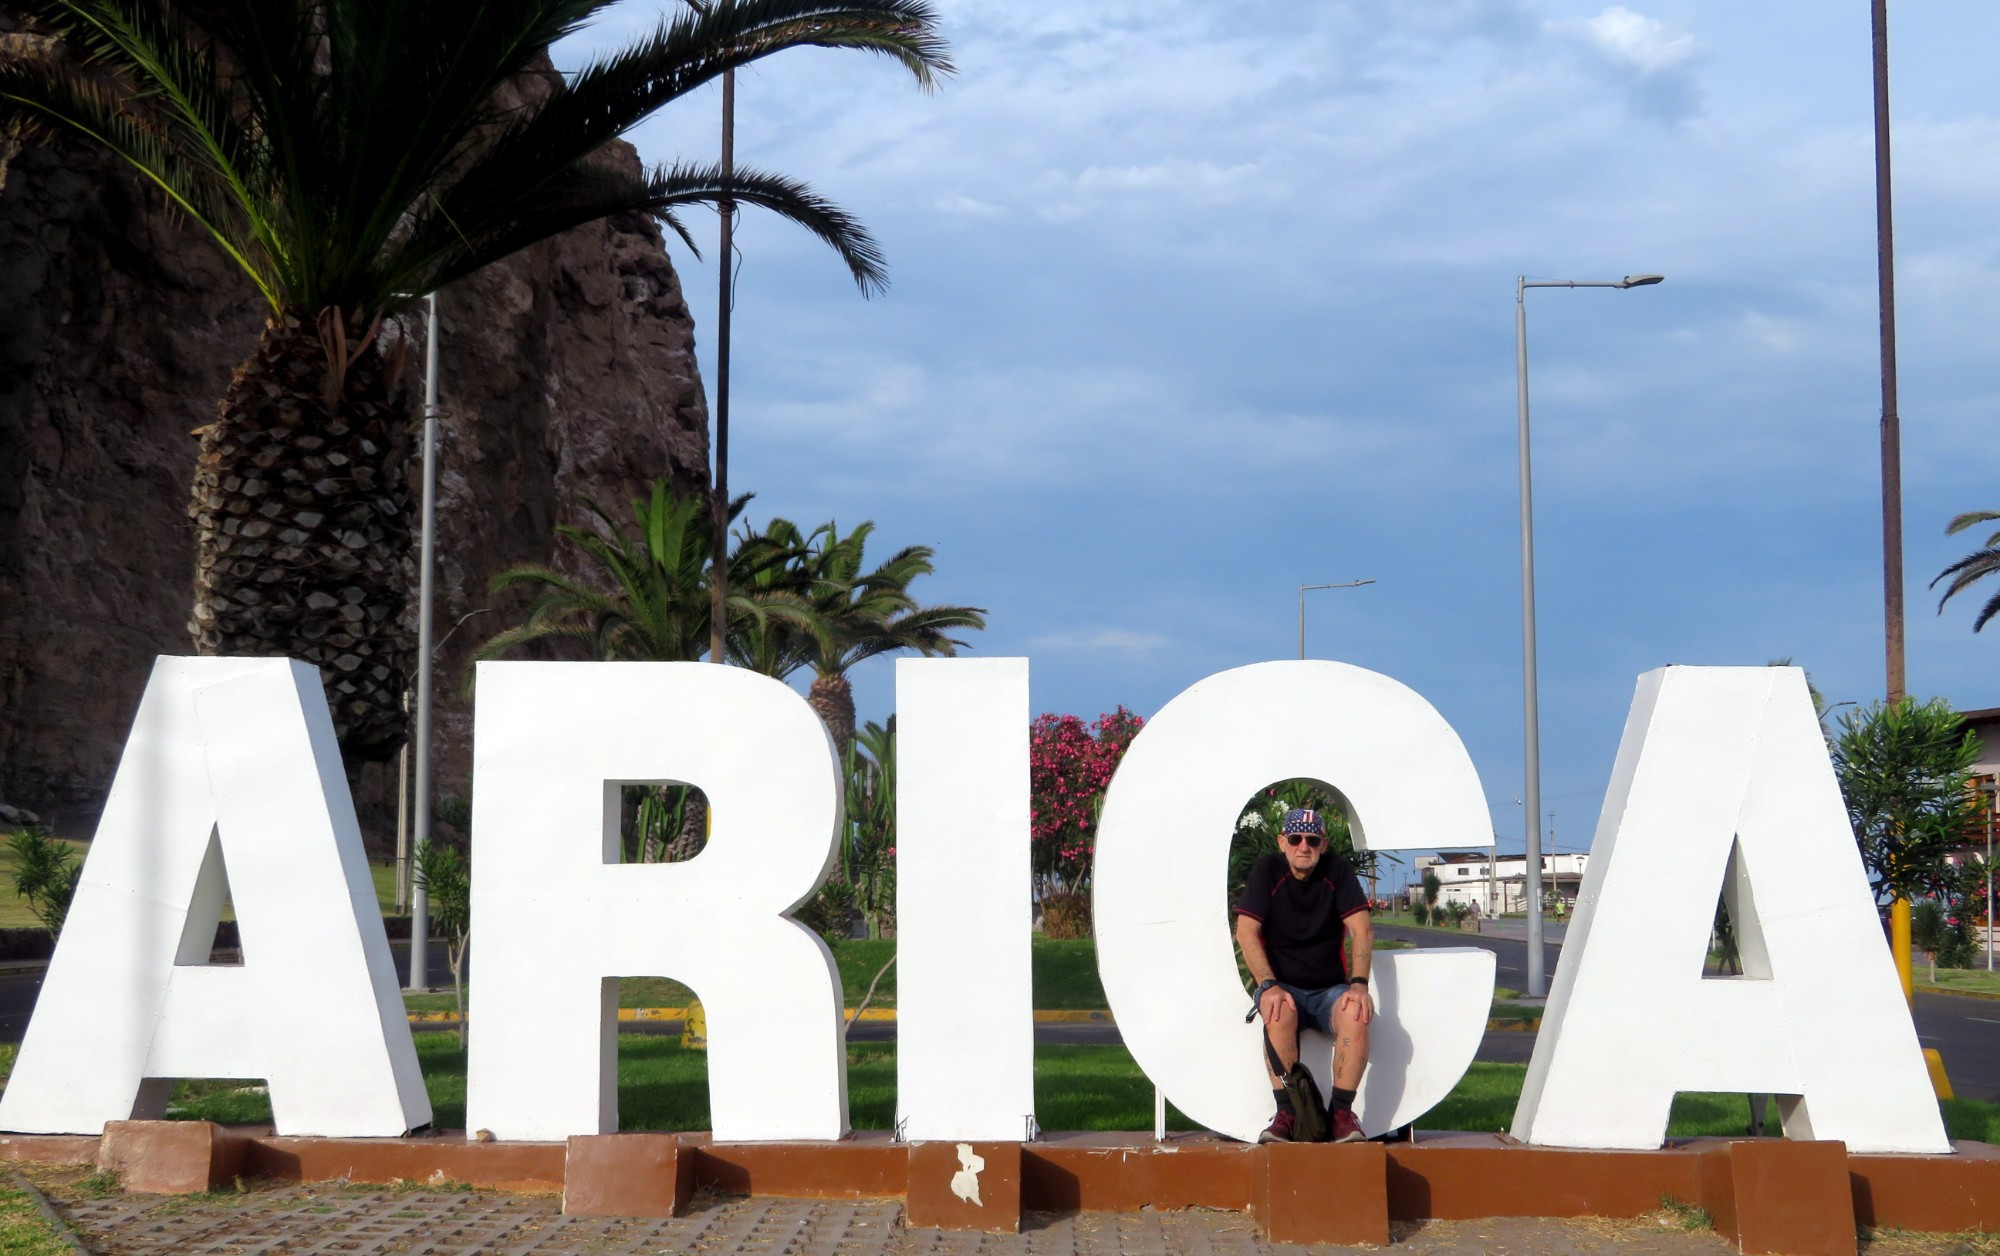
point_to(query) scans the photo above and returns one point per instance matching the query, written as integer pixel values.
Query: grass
(1685, 1215)
(663, 1086)
(1065, 979)
(1959, 980)
(23, 1231)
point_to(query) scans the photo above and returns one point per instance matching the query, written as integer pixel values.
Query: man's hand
(1357, 1002)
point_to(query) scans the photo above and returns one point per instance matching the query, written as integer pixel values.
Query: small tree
(46, 873)
(446, 875)
(1904, 771)
(1432, 886)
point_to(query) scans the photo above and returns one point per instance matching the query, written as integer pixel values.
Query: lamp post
(420, 897)
(1351, 584)
(1530, 713)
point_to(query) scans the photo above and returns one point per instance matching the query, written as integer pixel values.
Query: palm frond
(63, 98)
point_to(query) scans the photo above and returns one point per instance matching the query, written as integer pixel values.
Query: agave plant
(350, 155)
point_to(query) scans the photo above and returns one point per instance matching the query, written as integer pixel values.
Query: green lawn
(22, 1230)
(1958, 980)
(664, 1086)
(1065, 977)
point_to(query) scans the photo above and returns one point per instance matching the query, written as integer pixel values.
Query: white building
(1497, 886)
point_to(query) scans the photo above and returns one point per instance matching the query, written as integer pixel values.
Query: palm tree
(860, 614)
(775, 647)
(351, 155)
(651, 599)
(1974, 567)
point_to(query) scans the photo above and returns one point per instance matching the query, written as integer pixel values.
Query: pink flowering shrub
(1069, 765)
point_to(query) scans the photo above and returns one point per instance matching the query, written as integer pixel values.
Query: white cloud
(1633, 39)
(1656, 66)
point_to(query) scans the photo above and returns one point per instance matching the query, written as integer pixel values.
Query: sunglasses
(1311, 839)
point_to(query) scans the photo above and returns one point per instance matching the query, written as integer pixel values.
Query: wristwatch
(1357, 981)
(1262, 986)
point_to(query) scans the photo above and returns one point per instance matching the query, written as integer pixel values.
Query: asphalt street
(1965, 1031)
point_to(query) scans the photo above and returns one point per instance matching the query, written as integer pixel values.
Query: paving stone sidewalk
(325, 1219)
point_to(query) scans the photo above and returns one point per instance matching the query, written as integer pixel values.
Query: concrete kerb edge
(1440, 1175)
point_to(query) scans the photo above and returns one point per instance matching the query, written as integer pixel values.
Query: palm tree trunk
(693, 835)
(301, 506)
(833, 699)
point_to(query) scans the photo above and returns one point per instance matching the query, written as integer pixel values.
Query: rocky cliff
(568, 372)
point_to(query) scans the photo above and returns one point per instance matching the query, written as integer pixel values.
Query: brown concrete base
(48, 1148)
(1744, 1183)
(1324, 1193)
(170, 1157)
(1777, 1196)
(1128, 1172)
(965, 1186)
(627, 1175)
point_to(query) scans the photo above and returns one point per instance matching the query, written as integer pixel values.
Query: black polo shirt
(1303, 921)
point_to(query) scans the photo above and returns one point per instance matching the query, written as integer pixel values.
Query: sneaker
(1280, 1130)
(1345, 1128)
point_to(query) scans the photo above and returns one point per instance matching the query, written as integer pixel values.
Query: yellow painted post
(1899, 943)
(694, 1028)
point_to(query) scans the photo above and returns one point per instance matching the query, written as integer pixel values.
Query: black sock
(1343, 1100)
(1284, 1100)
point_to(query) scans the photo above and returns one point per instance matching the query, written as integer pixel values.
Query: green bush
(45, 873)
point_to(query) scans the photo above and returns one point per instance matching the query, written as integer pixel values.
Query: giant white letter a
(1723, 782)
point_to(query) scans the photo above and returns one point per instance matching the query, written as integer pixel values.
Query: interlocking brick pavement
(332, 1219)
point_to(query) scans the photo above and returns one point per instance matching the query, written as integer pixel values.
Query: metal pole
(725, 298)
(1531, 812)
(1531, 720)
(1892, 438)
(1348, 584)
(403, 819)
(420, 899)
(1992, 798)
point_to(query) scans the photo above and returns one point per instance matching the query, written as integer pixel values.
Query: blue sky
(1194, 303)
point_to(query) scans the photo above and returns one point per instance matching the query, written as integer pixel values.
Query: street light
(1531, 716)
(1351, 584)
(420, 897)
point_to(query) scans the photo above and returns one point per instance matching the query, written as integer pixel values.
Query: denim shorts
(1315, 1006)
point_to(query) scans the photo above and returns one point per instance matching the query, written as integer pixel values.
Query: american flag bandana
(1303, 820)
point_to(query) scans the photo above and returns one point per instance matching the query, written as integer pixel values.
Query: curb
(1924, 988)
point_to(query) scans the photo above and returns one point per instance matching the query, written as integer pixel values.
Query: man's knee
(1278, 1008)
(1347, 1021)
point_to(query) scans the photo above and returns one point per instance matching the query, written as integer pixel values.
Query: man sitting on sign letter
(1295, 910)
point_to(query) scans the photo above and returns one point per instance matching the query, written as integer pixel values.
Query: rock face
(567, 372)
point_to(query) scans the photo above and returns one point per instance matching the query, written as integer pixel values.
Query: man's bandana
(1304, 820)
